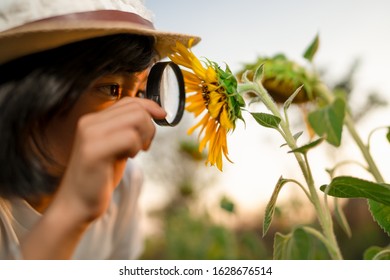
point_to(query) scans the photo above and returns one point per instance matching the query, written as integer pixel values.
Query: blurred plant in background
(273, 82)
(189, 230)
(187, 225)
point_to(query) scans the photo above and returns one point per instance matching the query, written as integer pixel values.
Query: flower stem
(332, 171)
(301, 186)
(323, 213)
(372, 133)
(364, 150)
(331, 249)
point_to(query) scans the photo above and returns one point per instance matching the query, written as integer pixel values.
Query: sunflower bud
(282, 77)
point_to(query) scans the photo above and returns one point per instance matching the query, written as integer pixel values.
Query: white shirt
(115, 235)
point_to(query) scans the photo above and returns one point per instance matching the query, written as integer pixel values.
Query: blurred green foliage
(186, 234)
(188, 237)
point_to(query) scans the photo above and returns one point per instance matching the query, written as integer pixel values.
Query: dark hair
(35, 88)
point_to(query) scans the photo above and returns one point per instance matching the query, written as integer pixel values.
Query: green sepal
(229, 82)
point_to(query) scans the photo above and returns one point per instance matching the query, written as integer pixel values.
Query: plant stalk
(323, 213)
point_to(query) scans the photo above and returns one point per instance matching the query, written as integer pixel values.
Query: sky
(236, 32)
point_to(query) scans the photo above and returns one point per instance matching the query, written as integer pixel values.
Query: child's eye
(112, 90)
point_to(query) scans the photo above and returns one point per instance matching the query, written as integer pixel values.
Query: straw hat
(29, 26)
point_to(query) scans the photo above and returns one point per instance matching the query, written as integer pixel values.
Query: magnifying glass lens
(166, 87)
(169, 93)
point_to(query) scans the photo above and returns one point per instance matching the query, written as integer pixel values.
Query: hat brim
(41, 36)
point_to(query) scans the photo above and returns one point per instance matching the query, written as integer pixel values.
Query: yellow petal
(216, 150)
(195, 98)
(209, 133)
(212, 87)
(208, 97)
(211, 75)
(193, 88)
(190, 77)
(224, 119)
(196, 108)
(215, 109)
(202, 122)
(224, 143)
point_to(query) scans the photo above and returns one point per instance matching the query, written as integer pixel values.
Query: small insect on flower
(212, 96)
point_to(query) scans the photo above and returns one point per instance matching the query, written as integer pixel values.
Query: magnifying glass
(165, 86)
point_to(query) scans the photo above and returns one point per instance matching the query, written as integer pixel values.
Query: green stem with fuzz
(301, 186)
(332, 171)
(323, 212)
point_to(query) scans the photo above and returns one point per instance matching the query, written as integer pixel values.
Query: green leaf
(270, 208)
(298, 245)
(288, 102)
(388, 134)
(296, 136)
(312, 49)
(381, 214)
(227, 204)
(350, 187)
(280, 246)
(329, 121)
(304, 149)
(377, 193)
(267, 120)
(376, 252)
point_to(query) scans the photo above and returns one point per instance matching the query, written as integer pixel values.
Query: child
(69, 72)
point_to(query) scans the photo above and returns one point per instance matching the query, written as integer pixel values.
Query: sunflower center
(206, 95)
(214, 101)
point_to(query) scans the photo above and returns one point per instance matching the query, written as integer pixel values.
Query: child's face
(103, 93)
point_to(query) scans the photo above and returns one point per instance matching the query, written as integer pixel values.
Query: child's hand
(103, 142)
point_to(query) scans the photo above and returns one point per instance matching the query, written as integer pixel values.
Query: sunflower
(283, 76)
(213, 98)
